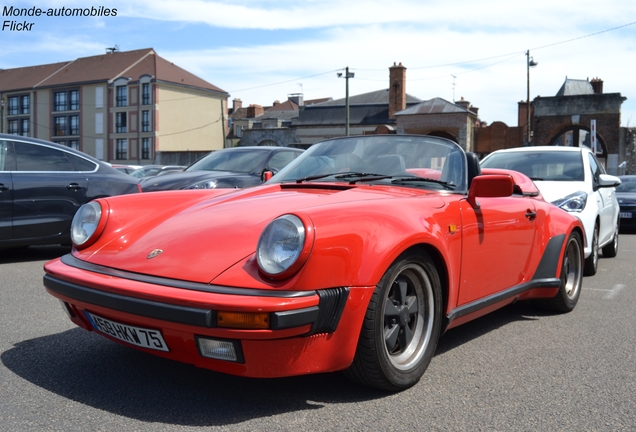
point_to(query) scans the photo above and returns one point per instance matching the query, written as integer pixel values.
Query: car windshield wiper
(537, 179)
(364, 176)
(448, 185)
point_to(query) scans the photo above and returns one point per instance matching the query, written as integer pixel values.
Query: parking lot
(516, 369)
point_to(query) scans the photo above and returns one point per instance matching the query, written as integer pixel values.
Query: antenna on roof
(112, 49)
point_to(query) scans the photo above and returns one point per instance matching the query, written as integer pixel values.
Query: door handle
(74, 187)
(531, 215)
(3, 187)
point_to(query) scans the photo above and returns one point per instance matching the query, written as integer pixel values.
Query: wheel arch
(442, 271)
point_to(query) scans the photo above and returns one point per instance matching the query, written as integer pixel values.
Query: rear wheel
(591, 262)
(401, 327)
(571, 276)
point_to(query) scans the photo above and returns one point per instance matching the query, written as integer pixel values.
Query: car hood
(183, 179)
(626, 197)
(202, 239)
(554, 190)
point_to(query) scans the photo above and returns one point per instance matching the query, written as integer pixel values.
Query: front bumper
(309, 332)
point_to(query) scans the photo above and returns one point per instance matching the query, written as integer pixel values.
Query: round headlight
(85, 224)
(281, 245)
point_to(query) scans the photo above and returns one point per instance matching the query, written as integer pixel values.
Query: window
(66, 125)
(74, 100)
(60, 101)
(26, 104)
(74, 121)
(145, 148)
(121, 126)
(121, 150)
(145, 94)
(32, 157)
(67, 100)
(122, 96)
(60, 126)
(19, 105)
(238, 130)
(18, 127)
(25, 127)
(13, 127)
(280, 159)
(145, 121)
(14, 105)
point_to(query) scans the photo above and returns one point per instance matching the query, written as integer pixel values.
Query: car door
(47, 191)
(605, 198)
(6, 190)
(497, 245)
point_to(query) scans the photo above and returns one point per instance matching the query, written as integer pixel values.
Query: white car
(573, 179)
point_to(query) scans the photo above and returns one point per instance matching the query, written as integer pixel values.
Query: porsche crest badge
(154, 253)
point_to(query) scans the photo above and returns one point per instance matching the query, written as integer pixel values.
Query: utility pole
(346, 76)
(529, 63)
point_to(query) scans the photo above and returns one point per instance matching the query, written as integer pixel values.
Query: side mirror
(606, 180)
(266, 175)
(490, 186)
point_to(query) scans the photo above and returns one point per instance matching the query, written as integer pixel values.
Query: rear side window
(81, 164)
(33, 157)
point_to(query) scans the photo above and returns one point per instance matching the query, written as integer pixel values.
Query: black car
(626, 196)
(237, 167)
(42, 184)
(153, 170)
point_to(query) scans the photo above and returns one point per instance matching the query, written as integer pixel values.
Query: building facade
(130, 107)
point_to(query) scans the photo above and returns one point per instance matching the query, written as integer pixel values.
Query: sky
(261, 51)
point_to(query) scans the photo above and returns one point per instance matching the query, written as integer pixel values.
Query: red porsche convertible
(355, 257)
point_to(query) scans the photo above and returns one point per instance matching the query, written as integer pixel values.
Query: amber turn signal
(242, 320)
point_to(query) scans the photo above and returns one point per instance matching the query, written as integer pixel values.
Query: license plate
(624, 215)
(139, 336)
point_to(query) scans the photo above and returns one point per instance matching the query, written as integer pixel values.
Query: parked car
(126, 169)
(237, 167)
(626, 196)
(42, 185)
(356, 256)
(153, 170)
(573, 179)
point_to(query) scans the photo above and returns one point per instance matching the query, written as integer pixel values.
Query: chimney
(236, 104)
(276, 103)
(397, 89)
(254, 111)
(597, 85)
(297, 98)
(463, 103)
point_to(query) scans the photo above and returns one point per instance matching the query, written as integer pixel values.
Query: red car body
(178, 265)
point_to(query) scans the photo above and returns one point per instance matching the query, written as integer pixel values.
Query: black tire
(610, 250)
(571, 276)
(401, 326)
(591, 262)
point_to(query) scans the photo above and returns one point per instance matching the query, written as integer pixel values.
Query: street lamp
(346, 76)
(530, 63)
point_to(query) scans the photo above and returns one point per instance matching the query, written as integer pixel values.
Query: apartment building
(121, 107)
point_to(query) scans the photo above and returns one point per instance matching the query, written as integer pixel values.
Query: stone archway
(577, 136)
(269, 142)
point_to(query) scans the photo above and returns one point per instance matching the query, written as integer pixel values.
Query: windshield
(628, 184)
(414, 161)
(242, 161)
(539, 165)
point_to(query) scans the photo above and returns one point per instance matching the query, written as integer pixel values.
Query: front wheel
(611, 249)
(591, 262)
(401, 327)
(571, 276)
